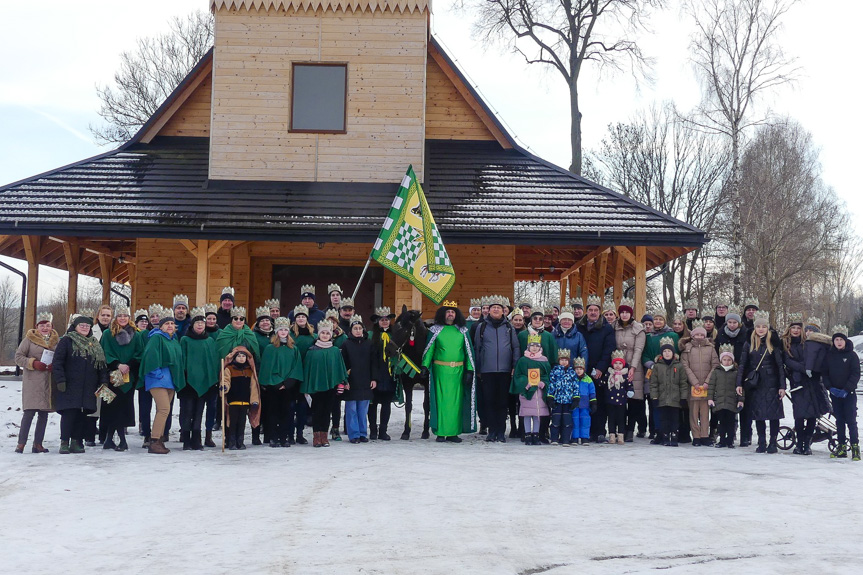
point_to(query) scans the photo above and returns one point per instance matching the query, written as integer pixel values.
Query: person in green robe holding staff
(448, 365)
(202, 378)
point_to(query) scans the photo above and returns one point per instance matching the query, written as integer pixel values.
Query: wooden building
(274, 162)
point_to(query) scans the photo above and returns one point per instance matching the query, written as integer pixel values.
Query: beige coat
(630, 340)
(699, 359)
(35, 385)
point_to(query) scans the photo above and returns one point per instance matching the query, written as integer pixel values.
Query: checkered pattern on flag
(410, 245)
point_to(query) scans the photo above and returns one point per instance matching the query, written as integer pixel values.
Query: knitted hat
(45, 316)
(347, 302)
(334, 288)
(795, 319)
(301, 310)
(733, 313)
(307, 291)
(79, 319)
(262, 312)
(181, 299)
(197, 314)
(698, 328)
(708, 318)
(562, 352)
(239, 311)
(647, 317)
(227, 293)
(525, 303)
(761, 318)
(166, 319)
(626, 304)
(726, 349)
(281, 323)
(566, 315)
(210, 309)
(578, 362)
(666, 343)
(618, 356)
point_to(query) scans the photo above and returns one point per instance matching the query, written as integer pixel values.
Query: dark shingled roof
(477, 191)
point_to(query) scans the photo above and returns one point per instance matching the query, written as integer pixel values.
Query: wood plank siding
(192, 119)
(448, 115)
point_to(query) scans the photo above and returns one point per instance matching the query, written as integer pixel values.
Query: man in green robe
(448, 364)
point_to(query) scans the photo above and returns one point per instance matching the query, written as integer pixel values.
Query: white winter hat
(566, 315)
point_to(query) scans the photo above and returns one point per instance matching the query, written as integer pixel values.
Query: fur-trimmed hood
(818, 337)
(37, 339)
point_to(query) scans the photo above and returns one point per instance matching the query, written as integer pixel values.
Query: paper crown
(658, 312)
(696, 323)
(666, 341)
(733, 309)
(608, 305)
(678, 316)
(140, 313)
(262, 312)
(156, 309)
(750, 302)
(281, 323)
(331, 314)
(122, 310)
(181, 299)
(690, 304)
(334, 287)
(347, 302)
(301, 310)
(515, 312)
(726, 348)
(761, 316)
(814, 321)
(548, 311)
(198, 312)
(210, 308)
(495, 299)
(575, 302)
(578, 362)
(618, 354)
(238, 311)
(474, 302)
(383, 311)
(228, 291)
(272, 303)
(562, 352)
(720, 301)
(795, 318)
(307, 289)
(594, 299)
(841, 329)
(356, 318)
(44, 316)
(628, 302)
(534, 339)
(449, 303)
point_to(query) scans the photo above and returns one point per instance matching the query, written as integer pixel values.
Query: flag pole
(362, 275)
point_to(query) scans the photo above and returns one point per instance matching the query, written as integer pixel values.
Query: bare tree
(10, 309)
(736, 55)
(149, 74)
(564, 34)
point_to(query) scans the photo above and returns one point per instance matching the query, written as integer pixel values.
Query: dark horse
(411, 335)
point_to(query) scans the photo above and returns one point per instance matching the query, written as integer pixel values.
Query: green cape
(519, 378)
(163, 352)
(324, 369)
(279, 364)
(546, 340)
(123, 353)
(303, 343)
(229, 338)
(202, 363)
(263, 341)
(451, 345)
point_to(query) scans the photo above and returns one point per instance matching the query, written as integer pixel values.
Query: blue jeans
(356, 418)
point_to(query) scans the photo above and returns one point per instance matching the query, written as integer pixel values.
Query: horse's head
(409, 317)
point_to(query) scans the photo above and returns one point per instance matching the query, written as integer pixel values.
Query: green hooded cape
(279, 364)
(202, 363)
(163, 352)
(323, 370)
(518, 386)
(229, 338)
(125, 354)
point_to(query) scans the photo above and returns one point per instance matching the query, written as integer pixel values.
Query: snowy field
(421, 507)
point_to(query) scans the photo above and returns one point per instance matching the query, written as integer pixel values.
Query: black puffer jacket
(841, 368)
(357, 353)
(807, 394)
(763, 401)
(737, 341)
(80, 375)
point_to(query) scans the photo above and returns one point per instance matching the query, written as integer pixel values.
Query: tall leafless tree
(565, 34)
(10, 308)
(149, 74)
(736, 54)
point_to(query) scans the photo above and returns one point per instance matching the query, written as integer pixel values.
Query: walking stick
(224, 407)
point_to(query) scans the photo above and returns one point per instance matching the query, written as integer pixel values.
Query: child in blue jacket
(562, 390)
(584, 403)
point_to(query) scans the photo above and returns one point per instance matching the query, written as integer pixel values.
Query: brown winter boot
(158, 447)
(620, 438)
(316, 439)
(612, 438)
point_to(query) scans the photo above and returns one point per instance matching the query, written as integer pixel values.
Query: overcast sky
(55, 53)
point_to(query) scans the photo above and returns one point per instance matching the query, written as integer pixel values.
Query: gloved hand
(649, 365)
(61, 386)
(592, 407)
(630, 394)
(684, 404)
(223, 388)
(467, 378)
(39, 366)
(711, 403)
(424, 373)
(808, 373)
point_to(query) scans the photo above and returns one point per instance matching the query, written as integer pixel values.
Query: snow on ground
(421, 507)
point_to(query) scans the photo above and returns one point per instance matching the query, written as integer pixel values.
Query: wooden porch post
(603, 273)
(564, 284)
(133, 283)
(203, 276)
(33, 251)
(106, 265)
(618, 276)
(73, 259)
(640, 281)
(416, 300)
(585, 289)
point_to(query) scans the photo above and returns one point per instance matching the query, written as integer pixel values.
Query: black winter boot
(772, 447)
(373, 431)
(196, 441)
(762, 445)
(208, 440)
(672, 440)
(657, 439)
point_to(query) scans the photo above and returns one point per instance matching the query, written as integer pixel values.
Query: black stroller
(825, 430)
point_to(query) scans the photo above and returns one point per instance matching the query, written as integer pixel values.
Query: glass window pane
(319, 97)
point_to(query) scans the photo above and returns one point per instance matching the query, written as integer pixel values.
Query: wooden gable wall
(448, 115)
(192, 119)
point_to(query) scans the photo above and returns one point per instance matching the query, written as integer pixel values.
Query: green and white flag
(410, 245)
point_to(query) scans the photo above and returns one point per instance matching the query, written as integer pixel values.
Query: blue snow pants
(581, 423)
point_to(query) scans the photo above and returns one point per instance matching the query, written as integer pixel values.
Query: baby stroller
(825, 430)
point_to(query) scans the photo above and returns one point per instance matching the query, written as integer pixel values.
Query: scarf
(88, 348)
(667, 361)
(726, 367)
(535, 356)
(124, 336)
(324, 344)
(203, 335)
(732, 333)
(533, 331)
(616, 378)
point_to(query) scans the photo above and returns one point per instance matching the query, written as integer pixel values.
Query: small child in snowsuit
(618, 389)
(722, 395)
(562, 390)
(530, 383)
(242, 396)
(584, 403)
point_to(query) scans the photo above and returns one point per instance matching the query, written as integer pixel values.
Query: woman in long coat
(79, 369)
(808, 397)
(36, 381)
(123, 349)
(630, 337)
(762, 353)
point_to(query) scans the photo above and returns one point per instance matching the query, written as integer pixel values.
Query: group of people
(590, 373)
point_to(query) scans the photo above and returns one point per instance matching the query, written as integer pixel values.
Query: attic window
(318, 96)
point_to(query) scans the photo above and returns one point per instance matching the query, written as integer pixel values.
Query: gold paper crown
(356, 318)
(181, 299)
(238, 311)
(534, 339)
(122, 310)
(795, 318)
(334, 287)
(627, 301)
(726, 348)
(346, 302)
(721, 301)
(228, 290)
(578, 362)
(594, 299)
(282, 323)
(44, 316)
(548, 311)
(678, 316)
(156, 309)
(262, 312)
(446, 303)
(272, 303)
(608, 305)
(618, 354)
(140, 312)
(733, 309)
(301, 310)
(474, 302)
(814, 321)
(385, 311)
(690, 304)
(666, 341)
(841, 329)
(516, 311)
(331, 314)
(573, 302)
(761, 315)
(210, 308)
(307, 289)
(659, 312)
(562, 352)
(198, 312)
(750, 301)
(697, 323)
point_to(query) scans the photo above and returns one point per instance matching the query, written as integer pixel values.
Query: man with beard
(226, 302)
(346, 312)
(599, 338)
(448, 364)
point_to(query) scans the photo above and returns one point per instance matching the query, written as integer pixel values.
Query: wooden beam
(94, 248)
(32, 250)
(583, 260)
(106, 267)
(619, 261)
(8, 241)
(203, 273)
(603, 273)
(627, 255)
(585, 291)
(588, 276)
(640, 281)
(72, 254)
(213, 249)
(133, 283)
(564, 283)
(190, 245)
(416, 299)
